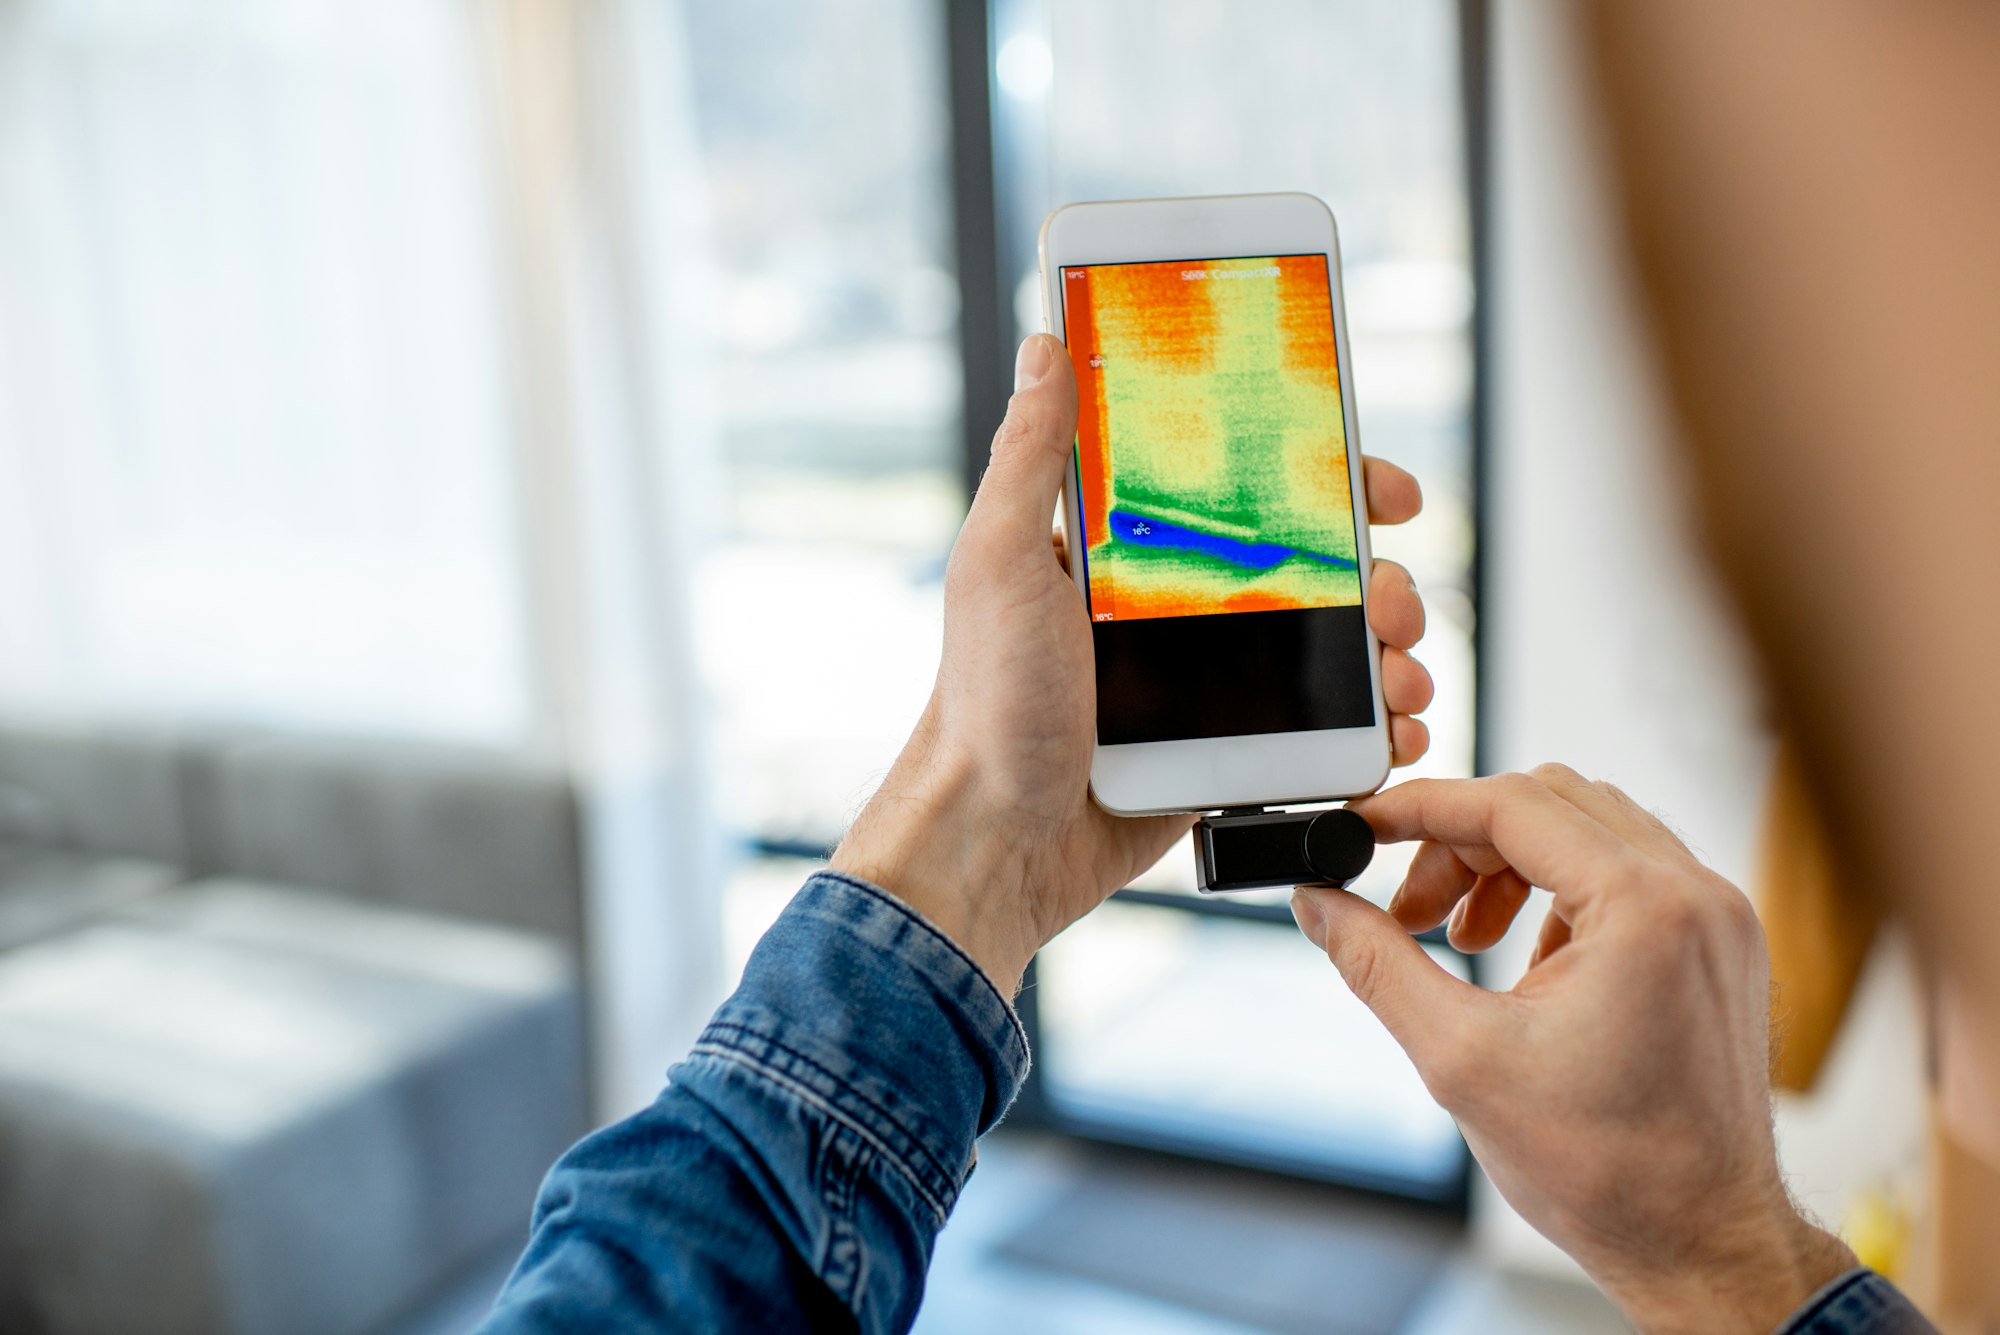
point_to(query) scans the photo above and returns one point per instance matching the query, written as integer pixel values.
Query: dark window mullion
(985, 322)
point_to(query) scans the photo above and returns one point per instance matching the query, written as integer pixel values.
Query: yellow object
(1878, 1229)
(1819, 931)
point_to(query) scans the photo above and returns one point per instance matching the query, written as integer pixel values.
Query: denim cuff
(858, 1006)
(1859, 1302)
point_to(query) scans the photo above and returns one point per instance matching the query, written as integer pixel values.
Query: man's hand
(1618, 1096)
(985, 822)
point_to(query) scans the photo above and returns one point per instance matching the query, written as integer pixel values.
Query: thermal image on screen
(1211, 448)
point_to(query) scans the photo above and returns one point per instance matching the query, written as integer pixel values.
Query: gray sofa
(290, 1028)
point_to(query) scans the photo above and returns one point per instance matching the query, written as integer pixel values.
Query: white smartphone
(1215, 516)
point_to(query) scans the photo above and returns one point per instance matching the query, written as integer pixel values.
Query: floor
(1067, 1239)
(978, 1286)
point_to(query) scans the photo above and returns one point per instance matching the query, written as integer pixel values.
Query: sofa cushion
(93, 788)
(44, 893)
(242, 1108)
(447, 830)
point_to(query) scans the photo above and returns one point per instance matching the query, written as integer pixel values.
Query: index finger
(1612, 808)
(1550, 842)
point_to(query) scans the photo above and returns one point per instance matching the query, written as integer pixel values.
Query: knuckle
(1677, 909)
(1689, 906)
(1556, 775)
(1738, 911)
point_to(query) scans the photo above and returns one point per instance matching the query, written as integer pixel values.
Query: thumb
(1031, 450)
(1425, 1009)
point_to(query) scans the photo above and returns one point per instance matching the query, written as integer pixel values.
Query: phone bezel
(1269, 769)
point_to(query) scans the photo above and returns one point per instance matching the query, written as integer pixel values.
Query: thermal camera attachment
(1249, 848)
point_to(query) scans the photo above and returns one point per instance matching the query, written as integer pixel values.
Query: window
(1209, 1030)
(841, 191)
(825, 146)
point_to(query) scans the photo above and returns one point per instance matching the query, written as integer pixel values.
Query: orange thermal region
(1211, 447)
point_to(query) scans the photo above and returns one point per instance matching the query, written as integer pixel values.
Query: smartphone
(1214, 512)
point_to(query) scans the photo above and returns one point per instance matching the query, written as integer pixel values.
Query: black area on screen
(1162, 679)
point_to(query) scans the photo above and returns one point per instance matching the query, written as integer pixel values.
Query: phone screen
(1218, 525)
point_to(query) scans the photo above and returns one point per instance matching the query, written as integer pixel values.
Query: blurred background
(475, 481)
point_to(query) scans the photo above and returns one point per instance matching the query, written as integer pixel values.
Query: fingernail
(1032, 362)
(1311, 917)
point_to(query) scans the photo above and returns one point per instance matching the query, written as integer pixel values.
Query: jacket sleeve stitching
(805, 1092)
(916, 1143)
(1014, 1018)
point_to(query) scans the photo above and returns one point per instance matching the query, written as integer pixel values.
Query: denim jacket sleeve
(796, 1169)
(1859, 1302)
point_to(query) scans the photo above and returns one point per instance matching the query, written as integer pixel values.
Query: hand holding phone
(1215, 511)
(985, 822)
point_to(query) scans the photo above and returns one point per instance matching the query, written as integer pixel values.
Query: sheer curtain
(251, 368)
(346, 380)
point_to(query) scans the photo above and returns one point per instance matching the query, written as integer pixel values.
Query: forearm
(796, 1170)
(926, 835)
